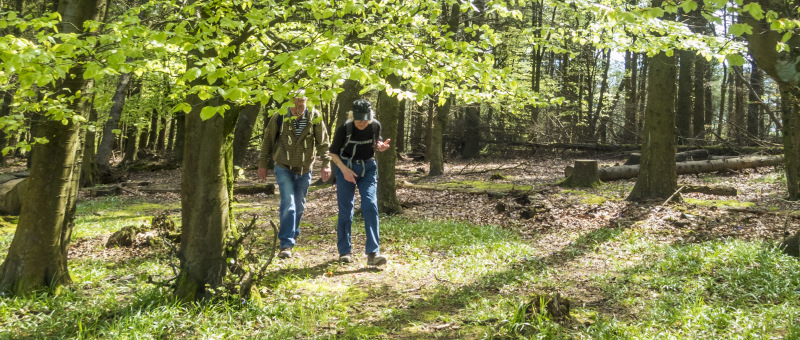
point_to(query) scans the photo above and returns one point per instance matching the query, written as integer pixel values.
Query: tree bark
(131, 146)
(791, 140)
(401, 127)
(89, 171)
(153, 131)
(161, 140)
(351, 92)
(754, 105)
(180, 133)
(37, 257)
(104, 151)
(658, 178)
(244, 130)
(436, 151)
(683, 113)
(472, 131)
(172, 129)
(389, 112)
(629, 128)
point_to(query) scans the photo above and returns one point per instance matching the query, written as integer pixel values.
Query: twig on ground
(670, 197)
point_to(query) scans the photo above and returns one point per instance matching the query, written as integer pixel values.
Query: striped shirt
(300, 124)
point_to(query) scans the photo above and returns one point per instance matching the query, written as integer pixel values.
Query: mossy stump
(584, 174)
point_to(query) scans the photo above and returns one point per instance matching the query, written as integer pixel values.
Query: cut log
(631, 171)
(691, 155)
(584, 174)
(710, 190)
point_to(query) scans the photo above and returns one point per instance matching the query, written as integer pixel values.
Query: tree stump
(584, 174)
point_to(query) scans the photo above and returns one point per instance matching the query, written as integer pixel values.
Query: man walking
(291, 142)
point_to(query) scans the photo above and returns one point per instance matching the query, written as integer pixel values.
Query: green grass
(719, 203)
(477, 278)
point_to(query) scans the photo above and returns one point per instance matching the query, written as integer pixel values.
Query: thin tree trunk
(683, 113)
(754, 97)
(699, 114)
(131, 145)
(629, 128)
(244, 130)
(472, 131)
(723, 91)
(104, 151)
(171, 138)
(436, 154)
(180, 132)
(153, 131)
(161, 143)
(89, 171)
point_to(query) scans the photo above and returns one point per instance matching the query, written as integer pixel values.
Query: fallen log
(630, 171)
(691, 155)
(719, 190)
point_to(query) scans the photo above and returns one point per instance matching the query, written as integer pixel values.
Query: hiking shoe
(285, 253)
(375, 259)
(346, 258)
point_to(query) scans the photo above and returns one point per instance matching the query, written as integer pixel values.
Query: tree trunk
(791, 140)
(658, 178)
(389, 112)
(629, 128)
(131, 145)
(345, 99)
(161, 140)
(153, 131)
(180, 132)
(683, 113)
(244, 130)
(435, 153)
(89, 170)
(738, 125)
(37, 257)
(472, 131)
(754, 105)
(693, 167)
(400, 144)
(104, 151)
(723, 91)
(699, 111)
(171, 138)
(783, 67)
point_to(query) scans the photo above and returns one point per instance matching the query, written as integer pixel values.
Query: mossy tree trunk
(657, 173)
(389, 114)
(37, 257)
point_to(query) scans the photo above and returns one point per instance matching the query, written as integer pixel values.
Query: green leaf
(739, 29)
(735, 59)
(192, 73)
(786, 36)
(754, 9)
(208, 112)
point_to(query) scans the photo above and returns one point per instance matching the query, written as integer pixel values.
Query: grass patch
(480, 185)
(445, 279)
(719, 203)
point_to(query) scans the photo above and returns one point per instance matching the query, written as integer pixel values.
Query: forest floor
(469, 253)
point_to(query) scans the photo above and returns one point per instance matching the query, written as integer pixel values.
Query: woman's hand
(382, 146)
(348, 174)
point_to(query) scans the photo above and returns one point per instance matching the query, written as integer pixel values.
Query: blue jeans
(346, 195)
(293, 188)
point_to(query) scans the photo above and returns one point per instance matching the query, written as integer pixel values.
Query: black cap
(362, 110)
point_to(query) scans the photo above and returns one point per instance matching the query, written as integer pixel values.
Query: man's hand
(382, 146)
(262, 173)
(325, 174)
